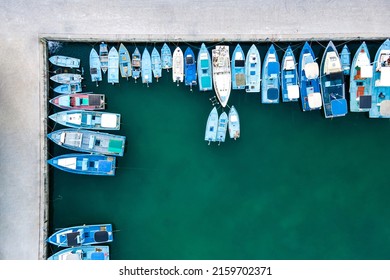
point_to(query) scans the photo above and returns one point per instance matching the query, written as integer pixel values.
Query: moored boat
(222, 73)
(345, 57)
(95, 66)
(238, 68)
(205, 80)
(103, 55)
(270, 77)
(189, 68)
(113, 66)
(289, 77)
(178, 66)
(222, 127)
(146, 67)
(68, 88)
(156, 64)
(253, 70)
(79, 101)
(65, 61)
(234, 123)
(136, 64)
(82, 253)
(212, 126)
(124, 62)
(67, 78)
(166, 57)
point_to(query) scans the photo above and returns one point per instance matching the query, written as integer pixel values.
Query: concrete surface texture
(22, 220)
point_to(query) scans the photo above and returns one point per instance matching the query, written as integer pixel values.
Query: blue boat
(345, 57)
(166, 57)
(212, 126)
(87, 119)
(205, 79)
(146, 67)
(309, 82)
(234, 123)
(271, 77)
(85, 164)
(136, 64)
(82, 253)
(95, 67)
(156, 64)
(289, 77)
(82, 235)
(124, 62)
(380, 85)
(189, 68)
(332, 83)
(238, 68)
(360, 97)
(113, 66)
(253, 70)
(222, 127)
(88, 141)
(103, 55)
(68, 88)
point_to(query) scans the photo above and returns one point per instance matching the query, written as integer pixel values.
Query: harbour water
(294, 185)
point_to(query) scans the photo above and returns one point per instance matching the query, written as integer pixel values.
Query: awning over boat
(385, 77)
(293, 91)
(104, 166)
(365, 102)
(97, 256)
(272, 94)
(109, 120)
(339, 107)
(101, 236)
(115, 146)
(314, 100)
(311, 70)
(240, 63)
(67, 162)
(204, 63)
(385, 108)
(366, 71)
(273, 68)
(289, 64)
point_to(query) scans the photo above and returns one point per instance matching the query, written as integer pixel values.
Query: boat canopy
(339, 107)
(385, 108)
(273, 68)
(109, 120)
(365, 102)
(385, 78)
(314, 100)
(366, 71)
(67, 162)
(289, 63)
(332, 63)
(293, 91)
(311, 70)
(239, 63)
(272, 93)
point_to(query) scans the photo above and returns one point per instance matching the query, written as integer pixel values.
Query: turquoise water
(294, 186)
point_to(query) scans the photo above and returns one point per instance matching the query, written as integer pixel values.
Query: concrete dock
(26, 25)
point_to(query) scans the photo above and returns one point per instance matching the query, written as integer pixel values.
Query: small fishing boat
(67, 78)
(65, 61)
(113, 66)
(222, 127)
(189, 68)
(136, 64)
(222, 73)
(205, 79)
(178, 66)
(289, 77)
(88, 119)
(238, 68)
(270, 77)
(253, 70)
(360, 97)
(212, 126)
(309, 84)
(79, 101)
(68, 88)
(82, 235)
(95, 66)
(234, 123)
(146, 67)
(89, 141)
(103, 55)
(380, 85)
(156, 64)
(332, 83)
(345, 57)
(166, 57)
(82, 253)
(124, 62)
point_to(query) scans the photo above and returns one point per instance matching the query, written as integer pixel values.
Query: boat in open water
(103, 55)
(146, 68)
(166, 57)
(87, 119)
(205, 80)
(309, 82)
(345, 57)
(332, 83)
(89, 141)
(113, 66)
(95, 66)
(270, 77)
(190, 68)
(136, 64)
(65, 61)
(234, 123)
(360, 97)
(253, 70)
(68, 88)
(238, 68)
(79, 101)
(156, 64)
(289, 77)
(222, 127)
(67, 78)
(178, 66)
(82, 253)
(124, 62)
(82, 235)
(380, 85)
(222, 73)
(212, 126)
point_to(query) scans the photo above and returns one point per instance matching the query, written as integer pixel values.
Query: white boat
(234, 123)
(222, 127)
(221, 73)
(65, 61)
(212, 126)
(67, 78)
(113, 66)
(178, 66)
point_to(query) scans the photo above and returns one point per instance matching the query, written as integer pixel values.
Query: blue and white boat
(103, 55)
(189, 68)
(65, 61)
(68, 88)
(166, 57)
(238, 68)
(156, 64)
(212, 126)
(234, 123)
(345, 57)
(289, 77)
(95, 67)
(253, 70)
(82, 253)
(82, 235)
(85, 164)
(360, 97)
(87, 119)
(136, 64)
(178, 66)
(270, 77)
(309, 82)
(332, 83)
(113, 66)
(205, 79)
(88, 141)
(380, 85)
(222, 127)
(124, 62)
(146, 68)
(222, 76)
(67, 78)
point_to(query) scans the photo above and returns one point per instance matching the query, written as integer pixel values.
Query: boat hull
(79, 101)
(270, 91)
(65, 61)
(222, 74)
(146, 67)
(238, 68)
(95, 69)
(190, 75)
(205, 80)
(289, 77)
(124, 62)
(253, 70)
(82, 253)
(211, 126)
